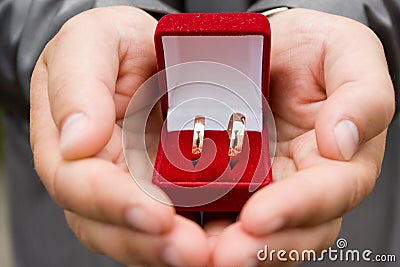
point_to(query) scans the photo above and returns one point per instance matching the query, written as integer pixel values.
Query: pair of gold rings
(236, 129)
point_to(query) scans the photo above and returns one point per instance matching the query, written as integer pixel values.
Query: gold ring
(198, 136)
(236, 129)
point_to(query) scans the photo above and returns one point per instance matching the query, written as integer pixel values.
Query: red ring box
(241, 41)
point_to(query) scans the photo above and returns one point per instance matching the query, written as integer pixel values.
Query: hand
(333, 99)
(80, 89)
(72, 80)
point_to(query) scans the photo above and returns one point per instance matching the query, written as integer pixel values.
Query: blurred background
(5, 247)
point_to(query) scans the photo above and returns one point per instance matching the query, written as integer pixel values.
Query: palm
(297, 95)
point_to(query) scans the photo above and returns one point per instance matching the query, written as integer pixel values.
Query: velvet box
(241, 41)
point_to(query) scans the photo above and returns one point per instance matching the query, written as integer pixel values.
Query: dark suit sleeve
(26, 26)
(382, 16)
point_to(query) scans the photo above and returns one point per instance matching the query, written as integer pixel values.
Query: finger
(191, 215)
(113, 194)
(82, 78)
(360, 103)
(215, 224)
(326, 189)
(236, 247)
(184, 245)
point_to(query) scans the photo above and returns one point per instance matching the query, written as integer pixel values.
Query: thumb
(83, 63)
(360, 103)
(354, 114)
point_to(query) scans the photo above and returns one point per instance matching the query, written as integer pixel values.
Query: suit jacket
(40, 234)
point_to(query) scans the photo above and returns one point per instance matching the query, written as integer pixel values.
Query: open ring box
(215, 65)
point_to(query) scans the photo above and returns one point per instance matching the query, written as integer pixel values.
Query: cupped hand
(332, 99)
(80, 89)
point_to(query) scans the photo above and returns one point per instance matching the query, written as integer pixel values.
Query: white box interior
(214, 90)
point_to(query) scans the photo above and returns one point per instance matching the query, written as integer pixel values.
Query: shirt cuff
(272, 11)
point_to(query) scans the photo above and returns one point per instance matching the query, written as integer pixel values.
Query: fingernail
(171, 257)
(71, 129)
(141, 220)
(347, 138)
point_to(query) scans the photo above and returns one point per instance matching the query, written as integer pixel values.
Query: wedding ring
(198, 136)
(236, 129)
